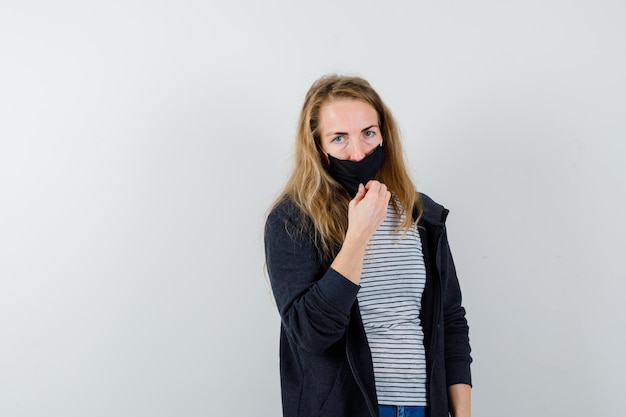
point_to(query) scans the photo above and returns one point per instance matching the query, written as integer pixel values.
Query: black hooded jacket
(325, 362)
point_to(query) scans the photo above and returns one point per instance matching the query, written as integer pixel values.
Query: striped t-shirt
(392, 282)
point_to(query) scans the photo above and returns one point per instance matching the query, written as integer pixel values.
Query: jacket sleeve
(456, 330)
(314, 301)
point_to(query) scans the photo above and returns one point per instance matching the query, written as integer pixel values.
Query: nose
(356, 151)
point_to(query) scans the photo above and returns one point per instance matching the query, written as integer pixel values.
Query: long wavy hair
(319, 197)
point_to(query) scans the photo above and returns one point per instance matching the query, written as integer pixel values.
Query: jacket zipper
(357, 378)
(436, 308)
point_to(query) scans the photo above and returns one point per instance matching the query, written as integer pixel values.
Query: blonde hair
(315, 192)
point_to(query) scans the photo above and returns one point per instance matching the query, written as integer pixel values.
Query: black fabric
(352, 173)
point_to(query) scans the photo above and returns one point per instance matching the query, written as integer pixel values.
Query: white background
(142, 142)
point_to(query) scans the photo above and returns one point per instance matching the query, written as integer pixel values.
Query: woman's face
(349, 129)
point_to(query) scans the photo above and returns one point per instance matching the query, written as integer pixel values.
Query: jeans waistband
(401, 411)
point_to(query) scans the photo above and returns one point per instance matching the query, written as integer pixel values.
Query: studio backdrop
(141, 144)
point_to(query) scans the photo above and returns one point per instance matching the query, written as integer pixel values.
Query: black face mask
(351, 173)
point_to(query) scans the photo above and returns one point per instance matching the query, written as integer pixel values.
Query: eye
(369, 134)
(338, 139)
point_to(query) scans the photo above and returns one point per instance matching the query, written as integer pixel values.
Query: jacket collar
(432, 212)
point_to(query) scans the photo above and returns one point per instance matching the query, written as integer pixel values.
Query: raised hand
(366, 212)
(368, 209)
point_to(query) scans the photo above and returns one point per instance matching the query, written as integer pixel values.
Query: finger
(372, 184)
(378, 190)
(360, 193)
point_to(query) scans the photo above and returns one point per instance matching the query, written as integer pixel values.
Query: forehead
(347, 113)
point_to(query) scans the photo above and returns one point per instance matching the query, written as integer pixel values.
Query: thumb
(360, 193)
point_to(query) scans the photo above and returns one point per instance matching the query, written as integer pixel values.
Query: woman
(372, 322)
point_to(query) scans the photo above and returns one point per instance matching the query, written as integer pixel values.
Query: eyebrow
(345, 133)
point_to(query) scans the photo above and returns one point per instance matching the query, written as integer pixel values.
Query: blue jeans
(401, 411)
